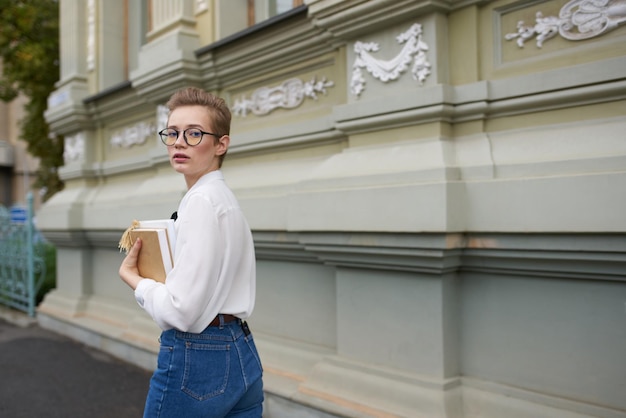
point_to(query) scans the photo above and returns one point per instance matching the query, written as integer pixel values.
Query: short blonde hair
(218, 110)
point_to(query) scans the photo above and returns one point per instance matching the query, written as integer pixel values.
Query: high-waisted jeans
(216, 373)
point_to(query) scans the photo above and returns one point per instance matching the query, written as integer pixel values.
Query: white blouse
(214, 263)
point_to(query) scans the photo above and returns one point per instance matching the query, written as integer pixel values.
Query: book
(167, 224)
(158, 238)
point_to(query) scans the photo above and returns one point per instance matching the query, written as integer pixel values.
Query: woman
(208, 365)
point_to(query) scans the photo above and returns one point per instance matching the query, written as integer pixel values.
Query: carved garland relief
(292, 92)
(139, 133)
(386, 70)
(288, 95)
(577, 20)
(136, 134)
(74, 148)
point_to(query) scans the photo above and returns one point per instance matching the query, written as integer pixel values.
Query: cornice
(424, 253)
(166, 64)
(252, 30)
(112, 105)
(83, 239)
(67, 238)
(69, 118)
(548, 90)
(107, 92)
(282, 246)
(66, 112)
(571, 256)
(288, 42)
(103, 238)
(159, 84)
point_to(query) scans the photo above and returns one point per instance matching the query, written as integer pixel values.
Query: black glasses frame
(165, 138)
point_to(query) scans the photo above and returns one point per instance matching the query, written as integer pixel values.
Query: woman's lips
(179, 158)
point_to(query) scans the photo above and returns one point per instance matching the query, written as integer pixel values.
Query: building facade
(436, 192)
(17, 167)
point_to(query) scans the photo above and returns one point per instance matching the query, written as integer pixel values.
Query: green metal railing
(22, 266)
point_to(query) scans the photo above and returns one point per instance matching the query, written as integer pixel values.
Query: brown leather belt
(227, 318)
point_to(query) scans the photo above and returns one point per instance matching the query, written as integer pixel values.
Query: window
(260, 10)
(280, 6)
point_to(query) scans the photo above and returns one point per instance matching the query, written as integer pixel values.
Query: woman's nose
(180, 139)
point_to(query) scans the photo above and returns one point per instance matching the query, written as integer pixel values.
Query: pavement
(44, 374)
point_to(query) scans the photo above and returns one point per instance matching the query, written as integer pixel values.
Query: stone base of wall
(307, 381)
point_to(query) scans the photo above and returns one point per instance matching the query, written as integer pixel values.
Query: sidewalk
(43, 374)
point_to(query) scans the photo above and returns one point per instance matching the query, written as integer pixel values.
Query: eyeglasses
(192, 136)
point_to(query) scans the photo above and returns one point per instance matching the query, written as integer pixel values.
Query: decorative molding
(136, 134)
(577, 20)
(571, 256)
(288, 95)
(74, 148)
(387, 70)
(91, 35)
(201, 6)
(139, 133)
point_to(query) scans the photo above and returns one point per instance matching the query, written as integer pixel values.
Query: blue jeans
(216, 373)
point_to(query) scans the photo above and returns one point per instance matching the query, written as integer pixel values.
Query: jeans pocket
(206, 370)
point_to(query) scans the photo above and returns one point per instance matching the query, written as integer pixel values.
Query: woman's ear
(222, 145)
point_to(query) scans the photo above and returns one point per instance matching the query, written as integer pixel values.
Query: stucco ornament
(386, 70)
(577, 20)
(202, 5)
(74, 148)
(289, 94)
(133, 135)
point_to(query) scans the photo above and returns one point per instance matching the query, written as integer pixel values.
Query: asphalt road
(43, 374)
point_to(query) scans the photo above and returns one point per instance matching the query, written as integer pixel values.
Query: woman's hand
(128, 270)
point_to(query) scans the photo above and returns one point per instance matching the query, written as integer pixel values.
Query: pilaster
(113, 38)
(66, 113)
(73, 32)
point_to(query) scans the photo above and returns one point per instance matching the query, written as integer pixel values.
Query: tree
(29, 49)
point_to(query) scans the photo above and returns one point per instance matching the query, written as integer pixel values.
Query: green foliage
(29, 49)
(49, 253)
